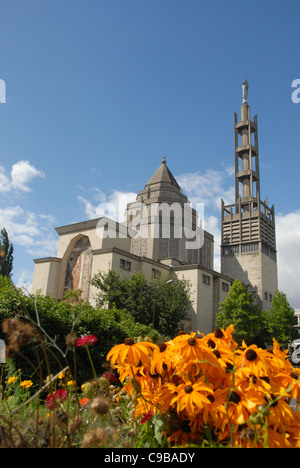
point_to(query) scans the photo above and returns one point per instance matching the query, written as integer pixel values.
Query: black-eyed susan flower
(161, 359)
(192, 397)
(215, 412)
(131, 353)
(253, 357)
(248, 379)
(238, 395)
(222, 337)
(240, 405)
(190, 350)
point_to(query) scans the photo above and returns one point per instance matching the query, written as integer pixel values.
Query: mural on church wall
(79, 267)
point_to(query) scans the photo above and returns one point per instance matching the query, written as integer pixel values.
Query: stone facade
(84, 250)
(162, 235)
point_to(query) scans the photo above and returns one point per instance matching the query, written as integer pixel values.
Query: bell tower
(248, 245)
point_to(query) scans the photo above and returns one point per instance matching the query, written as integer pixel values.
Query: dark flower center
(129, 341)
(216, 353)
(229, 367)
(162, 347)
(211, 344)
(188, 389)
(218, 333)
(235, 398)
(192, 341)
(253, 378)
(265, 378)
(250, 355)
(210, 398)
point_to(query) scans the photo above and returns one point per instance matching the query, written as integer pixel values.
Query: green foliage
(159, 302)
(239, 309)
(54, 320)
(281, 322)
(258, 326)
(6, 254)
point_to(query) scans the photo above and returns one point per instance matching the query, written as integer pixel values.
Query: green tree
(240, 310)
(281, 322)
(6, 254)
(159, 302)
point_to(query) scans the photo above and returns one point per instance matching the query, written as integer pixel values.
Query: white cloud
(288, 255)
(208, 187)
(24, 280)
(22, 173)
(113, 206)
(5, 184)
(32, 231)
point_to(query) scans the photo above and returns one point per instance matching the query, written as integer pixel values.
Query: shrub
(54, 320)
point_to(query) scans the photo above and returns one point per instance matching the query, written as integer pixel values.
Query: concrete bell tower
(248, 244)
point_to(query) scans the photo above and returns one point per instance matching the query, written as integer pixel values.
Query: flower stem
(92, 364)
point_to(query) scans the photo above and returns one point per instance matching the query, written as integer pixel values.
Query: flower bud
(88, 390)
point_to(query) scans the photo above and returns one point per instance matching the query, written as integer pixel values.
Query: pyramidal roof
(163, 175)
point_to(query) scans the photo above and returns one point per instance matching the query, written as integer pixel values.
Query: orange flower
(84, 401)
(191, 398)
(207, 384)
(222, 337)
(240, 406)
(165, 396)
(189, 350)
(253, 357)
(215, 412)
(131, 353)
(161, 359)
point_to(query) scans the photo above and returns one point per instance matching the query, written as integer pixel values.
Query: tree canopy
(160, 301)
(255, 325)
(240, 310)
(6, 254)
(281, 322)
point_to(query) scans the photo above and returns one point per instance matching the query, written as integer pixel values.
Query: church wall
(102, 262)
(246, 267)
(221, 288)
(269, 281)
(46, 275)
(205, 302)
(191, 275)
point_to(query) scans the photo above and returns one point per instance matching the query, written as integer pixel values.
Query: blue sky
(97, 92)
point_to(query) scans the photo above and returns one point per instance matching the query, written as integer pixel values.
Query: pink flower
(87, 340)
(59, 396)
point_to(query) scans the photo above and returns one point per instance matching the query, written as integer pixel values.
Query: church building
(162, 235)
